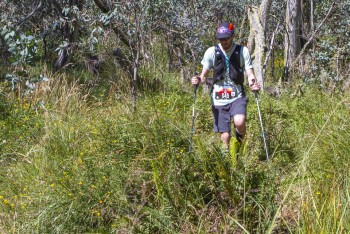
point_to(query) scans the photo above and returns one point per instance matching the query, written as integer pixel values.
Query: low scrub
(82, 163)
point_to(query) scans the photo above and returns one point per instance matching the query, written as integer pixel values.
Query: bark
(258, 41)
(252, 32)
(134, 80)
(101, 5)
(312, 25)
(292, 36)
(258, 17)
(264, 12)
(312, 29)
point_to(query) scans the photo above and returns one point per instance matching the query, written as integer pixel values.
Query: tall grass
(87, 163)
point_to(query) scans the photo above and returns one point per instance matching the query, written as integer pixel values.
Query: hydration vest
(236, 73)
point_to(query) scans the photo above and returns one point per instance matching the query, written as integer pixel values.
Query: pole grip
(195, 86)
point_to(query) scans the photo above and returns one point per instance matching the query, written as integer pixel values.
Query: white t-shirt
(225, 91)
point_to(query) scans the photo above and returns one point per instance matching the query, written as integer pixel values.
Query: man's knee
(239, 121)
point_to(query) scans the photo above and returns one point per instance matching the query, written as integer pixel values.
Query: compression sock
(239, 136)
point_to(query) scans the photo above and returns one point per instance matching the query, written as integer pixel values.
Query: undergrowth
(87, 163)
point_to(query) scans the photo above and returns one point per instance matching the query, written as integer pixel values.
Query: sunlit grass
(88, 164)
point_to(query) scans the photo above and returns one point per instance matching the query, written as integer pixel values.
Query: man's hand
(254, 86)
(200, 79)
(196, 80)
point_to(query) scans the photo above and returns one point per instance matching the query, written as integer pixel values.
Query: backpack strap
(236, 62)
(236, 57)
(220, 66)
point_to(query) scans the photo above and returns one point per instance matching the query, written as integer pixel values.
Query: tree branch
(115, 28)
(40, 4)
(102, 6)
(57, 7)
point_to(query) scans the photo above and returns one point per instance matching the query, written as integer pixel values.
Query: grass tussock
(84, 162)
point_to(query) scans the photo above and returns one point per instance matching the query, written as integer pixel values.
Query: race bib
(225, 94)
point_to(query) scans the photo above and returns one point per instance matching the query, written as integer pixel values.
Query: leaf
(4, 31)
(43, 78)
(30, 85)
(30, 38)
(15, 63)
(12, 47)
(7, 36)
(65, 11)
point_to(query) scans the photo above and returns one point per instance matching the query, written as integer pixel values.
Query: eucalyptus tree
(293, 33)
(63, 32)
(331, 44)
(258, 18)
(317, 36)
(56, 24)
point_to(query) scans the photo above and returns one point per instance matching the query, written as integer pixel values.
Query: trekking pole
(262, 127)
(194, 103)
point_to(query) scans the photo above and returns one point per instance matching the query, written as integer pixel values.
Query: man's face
(226, 43)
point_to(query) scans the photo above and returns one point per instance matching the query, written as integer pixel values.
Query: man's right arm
(207, 62)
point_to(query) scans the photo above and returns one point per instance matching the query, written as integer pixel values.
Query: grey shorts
(223, 114)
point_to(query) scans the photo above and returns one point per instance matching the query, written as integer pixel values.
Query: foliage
(76, 158)
(92, 166)
(23, 48)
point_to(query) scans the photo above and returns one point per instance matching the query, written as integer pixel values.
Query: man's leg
(239, 111)
(239, 123)
(225, 137)
(222, 124)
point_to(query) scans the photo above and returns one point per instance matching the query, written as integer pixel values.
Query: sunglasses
(224, 39)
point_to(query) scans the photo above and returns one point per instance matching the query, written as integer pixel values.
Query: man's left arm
(248, 64)
(253, 84)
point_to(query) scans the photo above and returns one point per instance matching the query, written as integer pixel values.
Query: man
(228, 61)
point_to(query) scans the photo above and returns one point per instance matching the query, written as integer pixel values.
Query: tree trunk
(264, 12)
(134, 80)
(312, 29)
(256, 42)
(259, 44)
(292, 36)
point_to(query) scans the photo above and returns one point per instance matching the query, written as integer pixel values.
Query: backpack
(235, 69)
